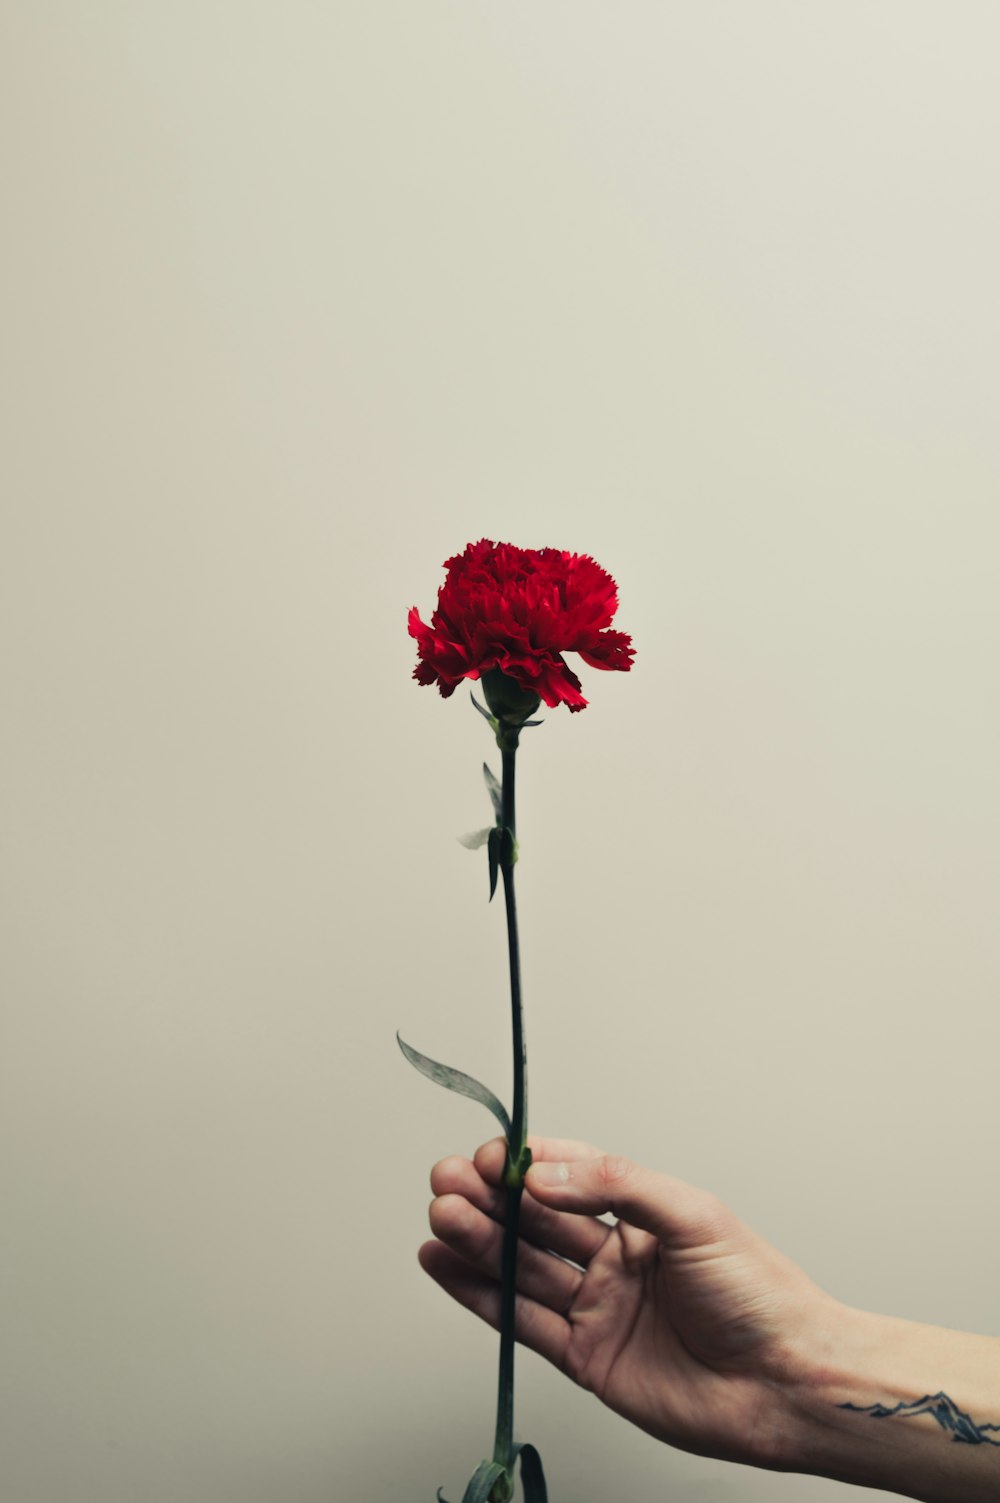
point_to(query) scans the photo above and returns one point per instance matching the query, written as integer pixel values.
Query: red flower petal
(520, 609)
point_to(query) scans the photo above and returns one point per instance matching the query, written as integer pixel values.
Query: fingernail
(550, 1174)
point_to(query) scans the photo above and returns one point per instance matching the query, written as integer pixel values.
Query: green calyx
(506, 698)
(510, 707)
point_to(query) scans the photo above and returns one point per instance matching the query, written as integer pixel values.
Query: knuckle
(713, 1215)
(614, 1172)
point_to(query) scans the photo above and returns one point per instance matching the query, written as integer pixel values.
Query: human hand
(679, 1317)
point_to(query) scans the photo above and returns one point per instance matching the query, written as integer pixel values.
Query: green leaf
(496, 836)
(482, 1481)
(494, 722)
(476, 839)
(531, 722)
(496, 793)
(455, 1080)
(532, 1476)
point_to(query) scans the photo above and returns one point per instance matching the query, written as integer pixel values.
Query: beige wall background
(298, 299)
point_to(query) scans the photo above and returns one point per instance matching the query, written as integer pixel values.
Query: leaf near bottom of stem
(487, 1476)
(532, 1476)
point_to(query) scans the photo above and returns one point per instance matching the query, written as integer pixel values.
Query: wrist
(892, 1404)
(831, 1363)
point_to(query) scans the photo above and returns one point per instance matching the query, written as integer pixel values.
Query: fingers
(578, 1238)
(578, 1181)
(535, 1326)
(678, 1215)
(479, 1240)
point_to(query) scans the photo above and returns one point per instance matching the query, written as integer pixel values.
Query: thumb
(677, 1214)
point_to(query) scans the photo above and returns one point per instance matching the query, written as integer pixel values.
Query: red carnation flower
(519, 610)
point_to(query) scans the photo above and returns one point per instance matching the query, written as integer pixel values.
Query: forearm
(891, 1404)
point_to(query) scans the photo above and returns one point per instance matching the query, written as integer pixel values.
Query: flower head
(518, 610)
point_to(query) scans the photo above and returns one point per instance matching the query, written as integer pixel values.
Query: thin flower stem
(503, 1448)
(519, 1107)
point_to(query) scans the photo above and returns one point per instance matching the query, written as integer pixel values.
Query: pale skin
(684, 1321)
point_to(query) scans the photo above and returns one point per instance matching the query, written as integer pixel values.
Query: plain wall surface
(297, 300)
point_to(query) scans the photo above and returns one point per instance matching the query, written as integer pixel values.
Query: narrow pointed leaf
(496, 835)
(532, 1476)
(531, 722)
(476, 839)
(491, 718)
(455, 1080)
(495, 791)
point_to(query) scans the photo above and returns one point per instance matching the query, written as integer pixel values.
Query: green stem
(519, 1108)
(503, 1448)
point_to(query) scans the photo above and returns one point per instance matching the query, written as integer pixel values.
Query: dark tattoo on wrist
(941, 1408)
